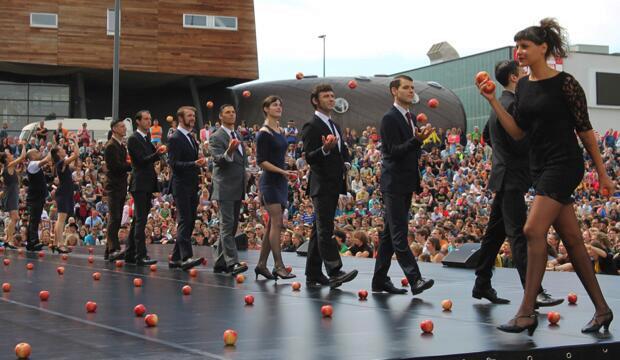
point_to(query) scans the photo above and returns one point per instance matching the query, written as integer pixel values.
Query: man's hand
(200, 162)
(162, 149)
(232, 146)
(423, 133)
(329, 142)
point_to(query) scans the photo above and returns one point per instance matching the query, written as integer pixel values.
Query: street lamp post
(323, 37)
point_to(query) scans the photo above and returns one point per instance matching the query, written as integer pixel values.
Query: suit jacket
(510, 158)
(401, 151)
(181, 158)
(115, 155)
(143, 156)
(229, 177)
(327, 172)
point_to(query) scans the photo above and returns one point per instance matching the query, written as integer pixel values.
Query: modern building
(356, 108)
(593, 66)
(57, 56)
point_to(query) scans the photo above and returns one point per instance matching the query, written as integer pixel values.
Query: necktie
(410, 121)
(333, 128)
(233, 136)
(191, 140)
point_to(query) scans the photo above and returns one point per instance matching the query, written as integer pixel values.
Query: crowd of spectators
(452, 209)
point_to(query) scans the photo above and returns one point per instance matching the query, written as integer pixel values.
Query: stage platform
(282, 324)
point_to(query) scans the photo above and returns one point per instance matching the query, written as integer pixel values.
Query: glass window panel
(13, 107)
(226, 22)
(110, 22)
(50, 93)
(44, 20)
(13, 91)
(195, 20)
(44, 108)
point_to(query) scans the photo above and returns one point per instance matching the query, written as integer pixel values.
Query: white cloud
(382, 35)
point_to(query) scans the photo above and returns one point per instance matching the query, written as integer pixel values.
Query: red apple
(488, 87)
(572, 298)
(553, 317)
(289, 269)
(119, 263)
(153, 268)
(193, 272)
(299, 75)
(91, 259)
(44, 295)
(422, 119)
(249, 300)
(91, 306)
(230, 337)
(137, 282)
(139, 310)
(240, 278)
(427, 326)
(151, 320)
(330, 137)
(327, 310)
(91, 250)
(6, 287)
(169, 118)
(60, 270)
(363, 294)
(482, 77)
(23, 350)
(296, 286)
(404, 282)
(187, 290)
(352, 84)
(30, 266)
(246, 93)
(41, 254)
(204, 262)
(446, 305)
(96, 276)
(209, 104)
(7, 262)
(65, 257)
(433, 103)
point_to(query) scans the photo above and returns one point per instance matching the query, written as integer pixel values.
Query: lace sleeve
(577, 104)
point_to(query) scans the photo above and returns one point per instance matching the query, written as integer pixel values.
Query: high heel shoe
(264, 272)
(594, 325)
(282, 273)
(514, 328)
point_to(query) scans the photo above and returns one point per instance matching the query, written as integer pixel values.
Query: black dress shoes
(145, 261)
(341, 278)
(116, 255)
(190, 263)
(489, 294)
(317, 282)
(174, 264)
(388, 287)
(223, 269)
(544, 299)
(237, 268)
(420, 285)
(35, 247)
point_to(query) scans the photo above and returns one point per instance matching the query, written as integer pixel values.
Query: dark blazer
(143, 156)
(327, 172)
(510, 158)
(401, 151)
(181, 158)
(115, 155)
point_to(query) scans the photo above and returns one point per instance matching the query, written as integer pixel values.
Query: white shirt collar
(183, 130)
(228, 131)
(402, 110)
(322, 116)
(141, 133)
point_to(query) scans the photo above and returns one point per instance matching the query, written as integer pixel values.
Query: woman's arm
(508, 122)
(21, 157)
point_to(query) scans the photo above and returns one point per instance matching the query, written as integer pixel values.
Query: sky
(387, 36)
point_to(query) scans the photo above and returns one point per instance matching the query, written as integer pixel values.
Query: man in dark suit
(143, 156)
(185, 164)
(327, 154)
(115, 155)
(510, 180)
(401, 142)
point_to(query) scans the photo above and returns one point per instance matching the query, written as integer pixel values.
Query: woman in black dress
(271, 148)
(10, 199)
(550, 107)
(64, 192)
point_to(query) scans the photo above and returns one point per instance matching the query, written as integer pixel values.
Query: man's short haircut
(504, 69)
(395, 83)
(181, 111)
(320, 88)
(224, 107)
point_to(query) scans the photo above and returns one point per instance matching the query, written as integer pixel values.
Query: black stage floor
(281, 324)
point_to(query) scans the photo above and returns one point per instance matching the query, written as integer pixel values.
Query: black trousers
(393, 240)
(508, 215)
(116, 202)
(35, 209)
(322, 247)
(136, 246)
(186, 202)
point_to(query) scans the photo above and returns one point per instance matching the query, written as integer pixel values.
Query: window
(44, 20)
(210, 22)
(110, 24)
(607, 89)
(22, 103)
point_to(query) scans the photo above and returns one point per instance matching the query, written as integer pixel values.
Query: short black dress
(550, 111)
(64, 192)
(10, 201)
(272, 148)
